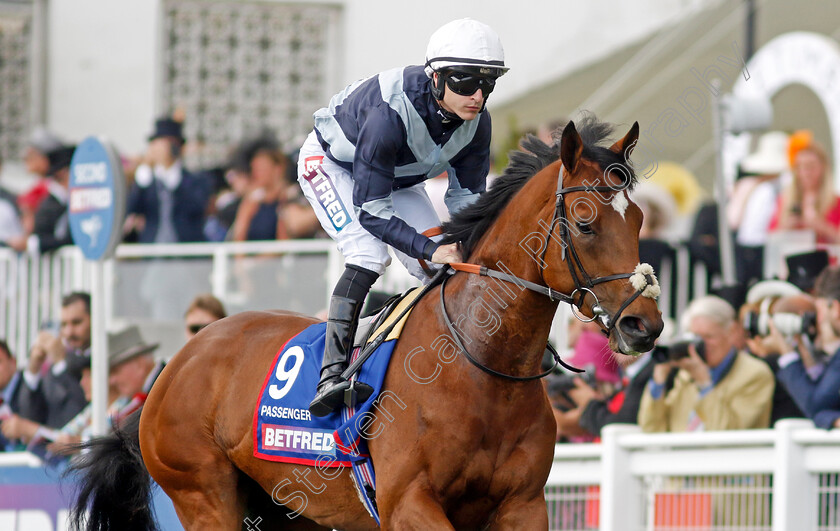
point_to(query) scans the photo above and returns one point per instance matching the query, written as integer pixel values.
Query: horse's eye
(585, 228)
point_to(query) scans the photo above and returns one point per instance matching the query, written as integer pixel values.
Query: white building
(84, 67)
(234, 67)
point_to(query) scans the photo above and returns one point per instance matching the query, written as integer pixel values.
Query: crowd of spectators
(724, 369)
(45, 406)
(254, 196)
(729, 365)
(734, 369)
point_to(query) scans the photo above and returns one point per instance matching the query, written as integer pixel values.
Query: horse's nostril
(633, 326)
(639, 329)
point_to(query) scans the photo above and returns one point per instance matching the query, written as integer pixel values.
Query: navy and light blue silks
(389, 132)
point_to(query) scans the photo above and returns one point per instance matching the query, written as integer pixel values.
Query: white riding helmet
(466, 43)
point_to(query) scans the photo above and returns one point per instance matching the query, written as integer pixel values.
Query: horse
(465, 437)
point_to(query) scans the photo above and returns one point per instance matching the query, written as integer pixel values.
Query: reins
(552, 294)
(642, 279)
(557, 359)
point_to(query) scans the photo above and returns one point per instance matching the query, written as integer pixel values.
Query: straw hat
(680, 183)
(770, 157)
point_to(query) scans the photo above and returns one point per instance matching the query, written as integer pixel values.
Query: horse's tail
(114, 487)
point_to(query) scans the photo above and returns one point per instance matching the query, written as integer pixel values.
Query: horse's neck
(503, 325)
(510, 322)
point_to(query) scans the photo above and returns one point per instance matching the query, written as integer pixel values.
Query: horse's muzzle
(636, 334)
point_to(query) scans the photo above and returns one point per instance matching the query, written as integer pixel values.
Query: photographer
(571, 393)
(621, 407)
(796, 314)
(814, 385)
(716, 386)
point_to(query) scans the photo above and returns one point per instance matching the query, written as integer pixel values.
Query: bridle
(584, 282)
(642, 279)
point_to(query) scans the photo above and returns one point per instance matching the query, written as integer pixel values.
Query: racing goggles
(466, 84)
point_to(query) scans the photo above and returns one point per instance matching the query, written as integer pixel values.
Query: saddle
(371, 322)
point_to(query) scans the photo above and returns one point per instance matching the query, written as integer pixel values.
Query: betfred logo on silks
(327, 196)
(310, 163)
(298, 440)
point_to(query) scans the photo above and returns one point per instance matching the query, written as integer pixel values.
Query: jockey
(363, 168)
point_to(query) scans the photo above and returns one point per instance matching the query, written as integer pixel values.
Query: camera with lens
(789, 324)
(565, 382)
(677, 349)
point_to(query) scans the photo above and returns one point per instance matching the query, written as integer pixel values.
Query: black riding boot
(343, 318)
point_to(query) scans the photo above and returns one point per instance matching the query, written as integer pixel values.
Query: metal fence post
(220, 272)
(794, 488)
(621, 507)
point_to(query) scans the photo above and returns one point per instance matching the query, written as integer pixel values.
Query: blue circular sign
(96, 206)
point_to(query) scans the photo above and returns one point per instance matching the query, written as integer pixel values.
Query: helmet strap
(438, 85)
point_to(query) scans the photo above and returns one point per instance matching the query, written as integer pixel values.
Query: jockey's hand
(446, 254)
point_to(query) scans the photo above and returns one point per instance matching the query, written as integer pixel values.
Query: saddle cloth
(283, 428)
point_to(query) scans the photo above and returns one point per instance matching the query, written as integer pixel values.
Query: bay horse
(455, 447)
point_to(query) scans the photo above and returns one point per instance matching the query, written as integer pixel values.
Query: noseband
(642, 279)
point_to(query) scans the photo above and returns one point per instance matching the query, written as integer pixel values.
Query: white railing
(31, 287)
(776, 480)
(151, 285)
(783, 479)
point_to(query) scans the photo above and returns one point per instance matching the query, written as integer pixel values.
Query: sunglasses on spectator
(467, 84)
(196, 328)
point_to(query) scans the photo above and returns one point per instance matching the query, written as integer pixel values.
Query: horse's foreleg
(414, 509)
(521, 514)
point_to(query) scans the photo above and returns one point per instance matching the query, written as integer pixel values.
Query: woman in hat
(809, 202)
(747, 210)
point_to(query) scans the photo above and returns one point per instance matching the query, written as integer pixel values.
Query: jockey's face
(465, 107)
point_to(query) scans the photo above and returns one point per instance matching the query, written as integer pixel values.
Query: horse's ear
(627, 142)
(571, 147)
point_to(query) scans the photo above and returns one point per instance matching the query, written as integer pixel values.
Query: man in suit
(167, 203)
(52, 229)
(813, 385)
(51, 393)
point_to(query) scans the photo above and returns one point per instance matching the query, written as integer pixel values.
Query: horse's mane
(470, 223)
